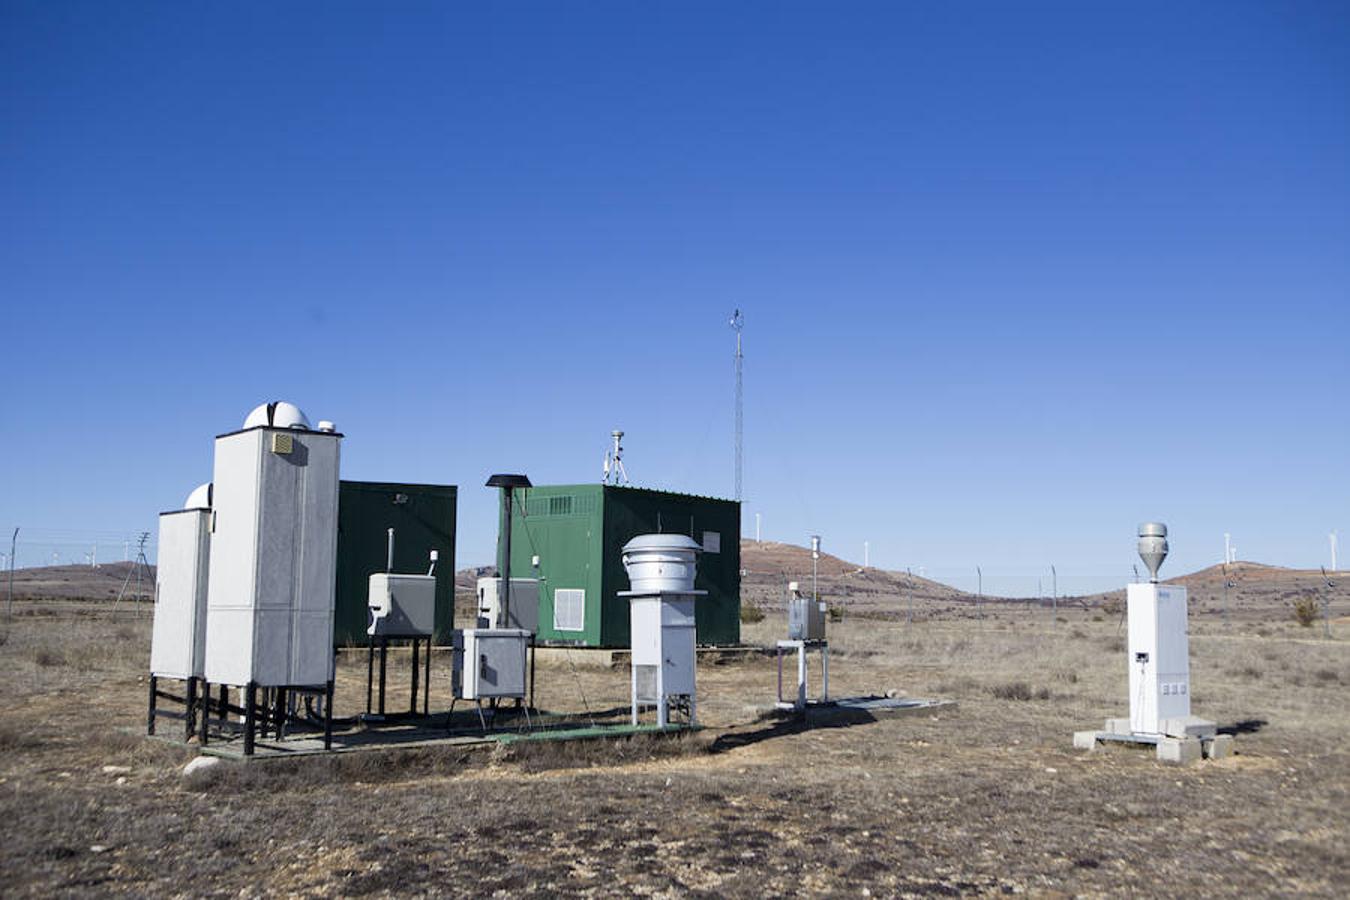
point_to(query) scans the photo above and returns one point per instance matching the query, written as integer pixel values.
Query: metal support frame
(189, 700)
(263, 711)
(421, 679)
(801, 699)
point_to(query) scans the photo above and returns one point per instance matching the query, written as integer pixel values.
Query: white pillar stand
(801, 700)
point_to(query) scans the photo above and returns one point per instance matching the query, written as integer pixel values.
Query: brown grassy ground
(990, 798)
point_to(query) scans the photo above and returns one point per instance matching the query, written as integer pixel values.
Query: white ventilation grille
(569, 609)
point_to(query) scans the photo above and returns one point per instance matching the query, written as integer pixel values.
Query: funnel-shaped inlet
(1153, 546)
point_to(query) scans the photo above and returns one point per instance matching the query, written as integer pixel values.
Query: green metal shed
(423, 519)
(571, 537)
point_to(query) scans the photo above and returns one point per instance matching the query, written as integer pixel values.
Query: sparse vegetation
(1018, 690)
(900, 806)
(49, 658)
(751, 614)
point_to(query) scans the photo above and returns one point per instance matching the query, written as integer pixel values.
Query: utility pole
(737, 323)
(815, 561)
(1326, 604)
(756, 528)
(979, 595)
(1227, 583)
(909, 580)
(9, 603)
(1332, 536)
(1054, 596)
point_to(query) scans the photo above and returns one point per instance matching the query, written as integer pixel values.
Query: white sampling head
(661, 562)
(200, 498)
(277, 414)
(1153, 547)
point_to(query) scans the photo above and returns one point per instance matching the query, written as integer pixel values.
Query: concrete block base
(1173, 750)
(1179, 751)
(1219, 746)
(1085, 740)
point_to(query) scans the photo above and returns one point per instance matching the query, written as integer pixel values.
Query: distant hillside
(76, 582)
(769, 566)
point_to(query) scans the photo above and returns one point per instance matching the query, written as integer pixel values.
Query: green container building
(576, 534)
(423, 519)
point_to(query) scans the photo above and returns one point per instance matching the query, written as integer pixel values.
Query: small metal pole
(150, 716)
(825, 671)
(505, 570)
(426, 682)
(801, 675)
(532, 656)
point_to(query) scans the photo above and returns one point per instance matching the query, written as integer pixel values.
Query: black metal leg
(384, 660)
(280, 712)
(250, 702)
(531, 671)
(328, 718)
(416, 671)
(204, 722)
(190, 712)
(150, 715)
(370, 672)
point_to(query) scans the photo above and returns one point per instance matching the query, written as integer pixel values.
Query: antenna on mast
(614, 470)
(737, 323)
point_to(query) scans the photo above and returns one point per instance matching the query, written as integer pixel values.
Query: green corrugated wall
(423, 519)
(578, 531)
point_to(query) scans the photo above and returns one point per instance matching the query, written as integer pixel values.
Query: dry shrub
(751, 614)
(1115, 644)
(1328, 676)
(49, 659)
(14, 738)
(1305, 611)
(1018, 690)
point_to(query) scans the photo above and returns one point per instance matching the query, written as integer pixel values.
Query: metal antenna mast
(737, 323)
(615, 473)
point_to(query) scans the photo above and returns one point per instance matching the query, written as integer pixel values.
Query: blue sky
(1015, 276)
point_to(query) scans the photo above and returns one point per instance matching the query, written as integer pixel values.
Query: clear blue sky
(1015, 276)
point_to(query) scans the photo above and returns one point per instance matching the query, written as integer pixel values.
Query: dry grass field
(986, 798)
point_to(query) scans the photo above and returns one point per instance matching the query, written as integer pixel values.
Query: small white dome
(277, 414)
(199, 498)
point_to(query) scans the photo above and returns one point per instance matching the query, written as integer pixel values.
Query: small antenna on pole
(614, 470)
(737, 323)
